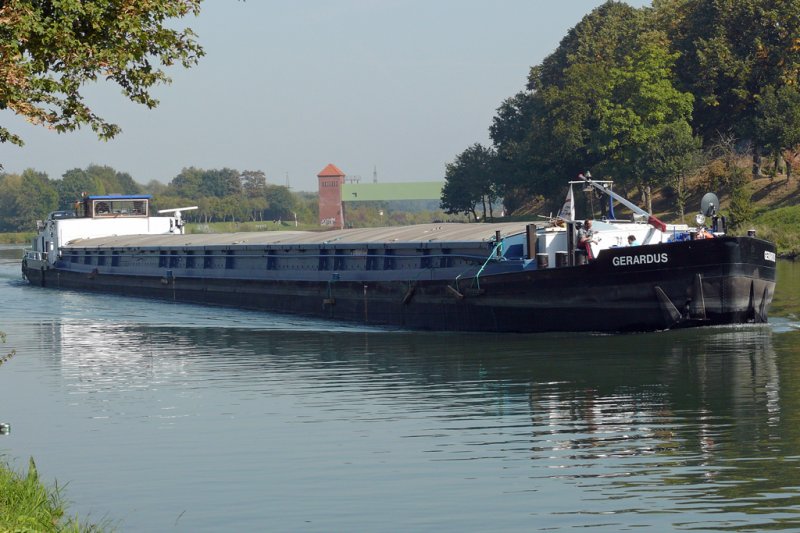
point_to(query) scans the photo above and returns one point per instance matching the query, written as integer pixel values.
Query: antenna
(287, 181)
(374, 174)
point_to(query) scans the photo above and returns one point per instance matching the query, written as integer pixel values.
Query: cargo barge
(506, 277)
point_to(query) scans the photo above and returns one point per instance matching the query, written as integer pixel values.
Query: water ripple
(239, 420)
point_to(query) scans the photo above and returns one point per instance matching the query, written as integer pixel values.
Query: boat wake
(784, 324)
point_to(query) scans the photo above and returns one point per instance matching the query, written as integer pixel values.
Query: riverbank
(774, 206)
(27, 504)
(16, 238)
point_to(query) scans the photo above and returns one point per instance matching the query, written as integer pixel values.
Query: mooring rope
(492, 256)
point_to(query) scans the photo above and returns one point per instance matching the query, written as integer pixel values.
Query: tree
(166, 201)
(231, 207)
(470, 180)
(643, 131)
(75, 184)
(511, 134)
(195, 183)
(545, 134)
(187, 184)
(667, 158)
(741, 209)
(730, 50)
(155, 187)
(108, 180)
(255, 207)
(24, 199)
(38, 197)
(123, 183)
(254, 183)
(776, 125)
(281, 203)
(220, 183)
(307, 207)
(50, 50)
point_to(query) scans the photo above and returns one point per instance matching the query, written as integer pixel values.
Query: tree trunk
(756, 161)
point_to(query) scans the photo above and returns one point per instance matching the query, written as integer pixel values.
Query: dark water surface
(163, 417)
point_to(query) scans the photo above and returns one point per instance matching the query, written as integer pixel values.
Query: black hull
(707, 282)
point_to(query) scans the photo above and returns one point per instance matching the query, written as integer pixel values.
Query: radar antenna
(178, 218)
(709, 205)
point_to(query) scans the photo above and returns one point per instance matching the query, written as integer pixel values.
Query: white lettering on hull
(640, 259)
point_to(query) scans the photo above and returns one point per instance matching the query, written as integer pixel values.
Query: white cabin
(99, 216)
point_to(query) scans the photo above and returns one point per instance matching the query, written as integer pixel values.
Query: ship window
(272, 261)
(174, 259)
(101, 258)
(230, 259)
(162, 258)
(87, 258)
(119, 208)
(140, 207)
(73, 257)
(102, 209)
(208, 259)
(114, 259)
(190, 259)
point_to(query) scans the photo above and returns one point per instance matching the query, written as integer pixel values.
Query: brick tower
(331, 180)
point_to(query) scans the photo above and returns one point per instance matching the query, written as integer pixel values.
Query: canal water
(170, 417)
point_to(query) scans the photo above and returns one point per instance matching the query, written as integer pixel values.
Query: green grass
(27, 505)
(781, 226)
(16, 238)
(232, 227)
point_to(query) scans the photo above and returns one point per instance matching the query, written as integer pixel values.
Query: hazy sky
(287, 86)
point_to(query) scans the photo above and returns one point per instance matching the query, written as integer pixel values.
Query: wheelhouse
(114, 206)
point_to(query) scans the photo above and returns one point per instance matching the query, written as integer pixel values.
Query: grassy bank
(781, 227)
(16, 238)
(27, 505)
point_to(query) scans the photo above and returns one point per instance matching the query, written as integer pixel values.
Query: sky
(393, 87)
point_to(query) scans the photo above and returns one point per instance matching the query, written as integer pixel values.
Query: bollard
(542, 261)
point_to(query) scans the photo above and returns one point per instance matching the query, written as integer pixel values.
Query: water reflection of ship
(109, 356)
(695, 394)
(593, 382)
(683, 408)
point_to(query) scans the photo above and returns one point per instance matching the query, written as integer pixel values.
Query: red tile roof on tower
(330, 171)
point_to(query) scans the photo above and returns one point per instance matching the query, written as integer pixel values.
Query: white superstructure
(98, 216)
